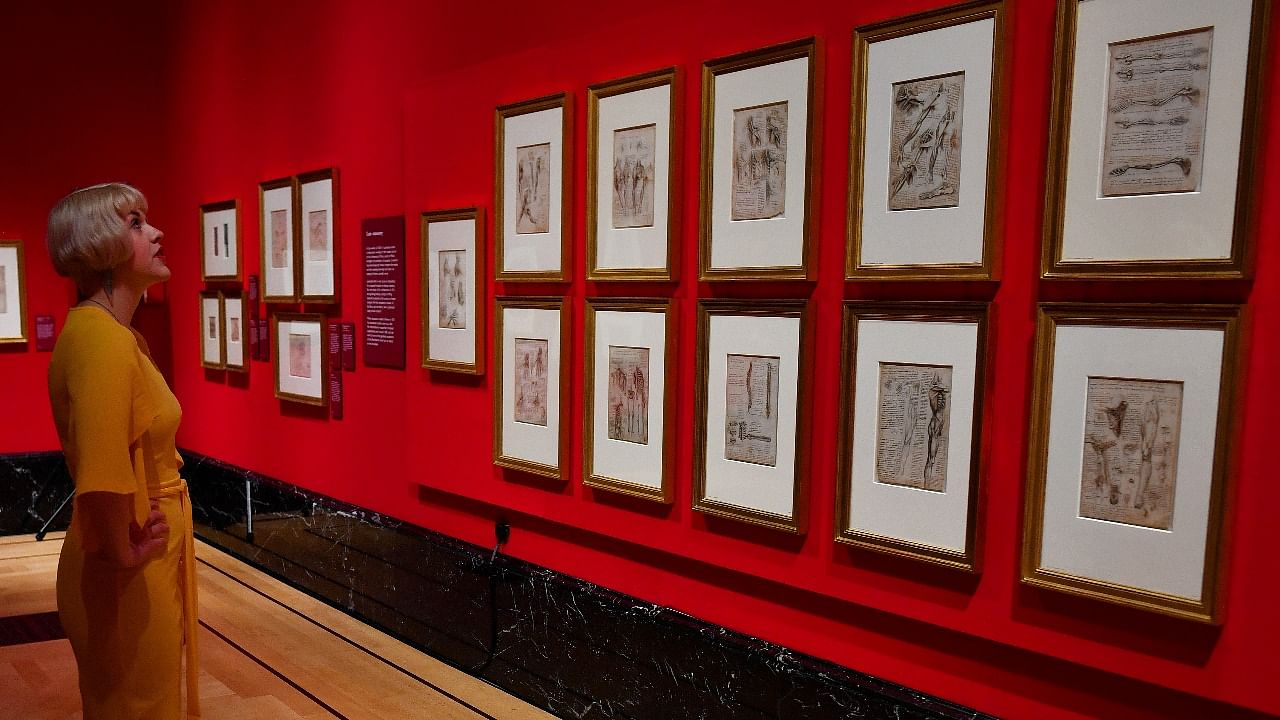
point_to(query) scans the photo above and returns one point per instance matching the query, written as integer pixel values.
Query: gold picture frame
(315, 327)
(430, 285)
(211, 302)
(953, 349)
(230, 231)
(1175, 368)
(539, 452)
(330, 280)
(633, 454)
(669, 231)
(1215, 214)
(276, 250)
(957, 32)
(763, 96)
(778, 332)
(239, 329)
(563, 219)
(13, 318)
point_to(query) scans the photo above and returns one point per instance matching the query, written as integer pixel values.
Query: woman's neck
(121, 302)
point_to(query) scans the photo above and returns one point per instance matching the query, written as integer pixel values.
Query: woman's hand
(111, 535)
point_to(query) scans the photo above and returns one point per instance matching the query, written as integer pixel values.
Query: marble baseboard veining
(570, 647)
(32, 486)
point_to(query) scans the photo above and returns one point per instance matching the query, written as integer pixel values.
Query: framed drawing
(13, 293)
(319, 252)
(757, 164)
(1129, 447)
(1152, 143)
(751, 411)
(452, 290)
(301, 342)
(910, 429)
(220, 241)
(627, 445)
(924, 168)
(234, 332)
(211, 347)
(529, 428)
(632, 192)
(531, 200)
(278, 200)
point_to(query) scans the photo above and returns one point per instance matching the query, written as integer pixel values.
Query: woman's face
(147, 267)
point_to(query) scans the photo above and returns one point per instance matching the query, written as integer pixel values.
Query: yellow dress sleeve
(110, 409)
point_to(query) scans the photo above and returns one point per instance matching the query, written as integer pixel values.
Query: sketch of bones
(759, 188)
(1129, 72)
(913, 425)
(533, 188)
(1183, 164)
(633, 174)
(1191, 94)
(1173, 121)
(1130, 58)
(629, 394)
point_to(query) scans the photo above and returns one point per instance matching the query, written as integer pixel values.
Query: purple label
(384, 293)
(46, 334)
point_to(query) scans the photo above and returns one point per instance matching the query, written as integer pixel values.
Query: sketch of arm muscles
(913, 425)
(1157, 93)
(924, 141)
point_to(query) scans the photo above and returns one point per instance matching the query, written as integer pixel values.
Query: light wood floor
(266, 651)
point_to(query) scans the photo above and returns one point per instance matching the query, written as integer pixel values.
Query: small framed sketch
(211, 347)
(13, 293)
(531, 203)
(220, 241)
(1129, 445)
(925, 164)
(300, 352)
(529, 428)
(318, 249)
(631, 190)
(234, 333)
(452, 290)
(278, 200)
(751, 411)
(1152, 143)
(629, 395)
(757, 159)
(910, 429)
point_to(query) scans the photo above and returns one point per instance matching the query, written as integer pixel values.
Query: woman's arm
(110, 533)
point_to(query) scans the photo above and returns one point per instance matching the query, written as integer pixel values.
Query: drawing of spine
(911, 393)
(937, 403)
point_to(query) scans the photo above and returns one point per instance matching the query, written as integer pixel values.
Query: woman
(126, 590)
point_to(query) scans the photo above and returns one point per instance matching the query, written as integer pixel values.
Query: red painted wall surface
(400, 96)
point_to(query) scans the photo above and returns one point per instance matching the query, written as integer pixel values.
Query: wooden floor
(266, 651)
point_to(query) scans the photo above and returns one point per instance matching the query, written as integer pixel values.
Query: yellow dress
(117, 421)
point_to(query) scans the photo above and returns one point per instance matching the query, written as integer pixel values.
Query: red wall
(400, 97)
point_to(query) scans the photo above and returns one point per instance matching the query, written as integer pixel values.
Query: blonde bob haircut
(87, 235)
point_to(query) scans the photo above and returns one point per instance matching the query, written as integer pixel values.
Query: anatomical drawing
(633, 174)
(924, 143)
(1157, 94)
(233, 329)
(213, 327)
(318, 235)
(533, 188)
(759, 162)
(226, 241)
(913, 425)
(300, 355)
(1131, 438)
(4, 289)
(629, 394)
(279, 238)
(751, 409)
(453, 290)
(215, 241)
(532, 364)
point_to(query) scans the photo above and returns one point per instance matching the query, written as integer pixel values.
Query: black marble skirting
(570, 647)
(32, 486)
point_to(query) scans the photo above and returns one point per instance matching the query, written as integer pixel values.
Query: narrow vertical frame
(478, 298)
(502, 116)
(332, 275)
(560, 445)
(664, 493)
(670, 78)
(214, 297)
(217, 207)
(271, 280)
